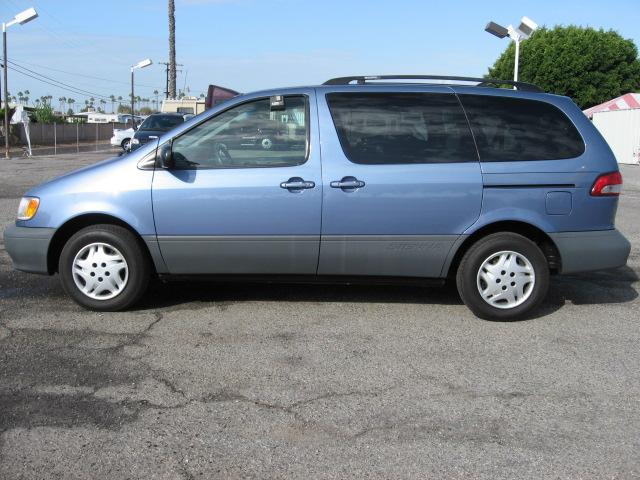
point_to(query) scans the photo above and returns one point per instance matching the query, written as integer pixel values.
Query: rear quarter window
(515, 129)
(401, 128)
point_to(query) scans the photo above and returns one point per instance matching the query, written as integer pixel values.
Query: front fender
(116, 188)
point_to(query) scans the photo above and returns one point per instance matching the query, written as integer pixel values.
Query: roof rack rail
(482, 82)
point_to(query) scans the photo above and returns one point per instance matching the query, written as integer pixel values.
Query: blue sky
(255, 44)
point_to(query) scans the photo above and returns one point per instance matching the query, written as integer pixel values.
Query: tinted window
(245, 136)
(384, 128)
(514, 129)
(161, 122)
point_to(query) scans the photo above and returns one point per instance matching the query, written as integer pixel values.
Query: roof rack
(482, 82)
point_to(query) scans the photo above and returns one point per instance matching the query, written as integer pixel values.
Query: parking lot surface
(255, 381)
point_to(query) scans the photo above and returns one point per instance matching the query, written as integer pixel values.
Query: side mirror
(165, 156)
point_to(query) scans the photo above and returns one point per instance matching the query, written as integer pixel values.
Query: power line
(22, 62)
(48, 83)
(78, 90)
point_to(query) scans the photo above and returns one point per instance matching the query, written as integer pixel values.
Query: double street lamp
(21, 18)
(522, 32)
(141, 64)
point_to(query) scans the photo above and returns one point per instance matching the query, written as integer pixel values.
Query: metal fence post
(55, 138)
(77, 137)
(97, 124)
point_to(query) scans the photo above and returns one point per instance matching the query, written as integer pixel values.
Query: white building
(618, 120)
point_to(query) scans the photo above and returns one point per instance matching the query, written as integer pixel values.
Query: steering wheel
(222, 154)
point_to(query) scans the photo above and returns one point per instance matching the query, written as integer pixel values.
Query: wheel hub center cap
(100, 271)
(506, 279)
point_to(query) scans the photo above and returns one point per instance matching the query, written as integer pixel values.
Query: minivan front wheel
(503, 276)
(103, 267)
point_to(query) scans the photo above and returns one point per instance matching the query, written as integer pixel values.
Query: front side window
(402, 128)
(515, 129)
(250, 135)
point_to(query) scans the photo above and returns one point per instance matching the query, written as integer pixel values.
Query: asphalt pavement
(207, 380)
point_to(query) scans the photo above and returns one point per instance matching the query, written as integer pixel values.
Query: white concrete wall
(621, 129)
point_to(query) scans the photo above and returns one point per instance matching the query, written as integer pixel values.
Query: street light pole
(21, 18)
(6, 91)
(517, 34)
(517, 59)
(133, 121)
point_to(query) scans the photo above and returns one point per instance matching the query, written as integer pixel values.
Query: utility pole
(166, 71)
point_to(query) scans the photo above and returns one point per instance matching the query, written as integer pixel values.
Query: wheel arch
(75, 224)
(527, 230)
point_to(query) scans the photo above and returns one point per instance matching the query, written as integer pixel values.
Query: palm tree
(71, 101)
(113, 101)
(26, 97)
(155, 92)
(92, 100)
(63, 101)
(86, 105)
(103, 102)
(172, 49)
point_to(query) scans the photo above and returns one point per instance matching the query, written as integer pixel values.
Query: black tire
(124, 143)
(126, 243)
(478, 253)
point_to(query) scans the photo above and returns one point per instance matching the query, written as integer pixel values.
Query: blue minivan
(376, 179)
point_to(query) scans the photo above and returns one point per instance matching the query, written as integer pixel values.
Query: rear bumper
(28, 247)
(587, 251)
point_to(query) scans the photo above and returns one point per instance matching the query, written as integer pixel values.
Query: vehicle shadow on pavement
(591, 288)
(606, 287)
(180, 292)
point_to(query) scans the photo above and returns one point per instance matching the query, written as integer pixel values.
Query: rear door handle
(297, 184)
(347, 183)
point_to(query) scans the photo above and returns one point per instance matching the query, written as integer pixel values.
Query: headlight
(28, 208)
(135, 141)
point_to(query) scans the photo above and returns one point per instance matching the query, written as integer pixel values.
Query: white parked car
(122, 137)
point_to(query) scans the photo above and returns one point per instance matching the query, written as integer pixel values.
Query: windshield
(161, 122)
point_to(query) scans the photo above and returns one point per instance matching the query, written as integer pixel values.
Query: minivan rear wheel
(503, 276)
(104, 268)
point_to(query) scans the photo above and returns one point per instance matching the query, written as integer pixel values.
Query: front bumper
(587, 251)
(28, 247)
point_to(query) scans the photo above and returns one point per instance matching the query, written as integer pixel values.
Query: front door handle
(297, 184)
(348, 183)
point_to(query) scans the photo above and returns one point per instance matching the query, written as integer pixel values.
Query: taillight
(607, 185)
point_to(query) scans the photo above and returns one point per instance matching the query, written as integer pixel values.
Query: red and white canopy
(627, 101)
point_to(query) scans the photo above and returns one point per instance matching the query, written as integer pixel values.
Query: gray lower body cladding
(333, 255)
(353, 255)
